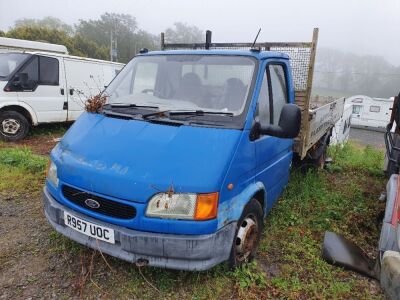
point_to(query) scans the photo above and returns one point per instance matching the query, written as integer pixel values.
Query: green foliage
(249, 275)
(348, 156)
(47, 22)
(91, 38)
(125, 31)
(24, 159)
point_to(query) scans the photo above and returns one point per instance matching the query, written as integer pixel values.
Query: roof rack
(302, 54)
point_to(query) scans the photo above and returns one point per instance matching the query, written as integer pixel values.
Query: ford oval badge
(92, 203)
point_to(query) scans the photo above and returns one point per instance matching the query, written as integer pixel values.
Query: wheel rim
(10, 126)
(246, 239)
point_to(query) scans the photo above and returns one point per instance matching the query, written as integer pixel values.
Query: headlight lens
(52, 174)
(185, 206)
(175, 206)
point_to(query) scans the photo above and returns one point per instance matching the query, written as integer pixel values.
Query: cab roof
(260, 55)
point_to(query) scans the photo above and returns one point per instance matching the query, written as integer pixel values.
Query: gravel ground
(367, 137)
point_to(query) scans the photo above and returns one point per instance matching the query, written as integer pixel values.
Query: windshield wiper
(128, 105)
(117, 114)
(198, 113)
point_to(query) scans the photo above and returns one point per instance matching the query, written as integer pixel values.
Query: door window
(48, 71)
(263, 111)
(356, 109)
(278, 90)
(31, 70)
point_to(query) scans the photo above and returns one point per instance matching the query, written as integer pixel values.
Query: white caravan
(370, 113)
(45, 87)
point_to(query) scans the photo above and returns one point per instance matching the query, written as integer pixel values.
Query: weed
(249, 275)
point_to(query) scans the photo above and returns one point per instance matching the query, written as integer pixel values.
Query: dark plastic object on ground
(340, 252)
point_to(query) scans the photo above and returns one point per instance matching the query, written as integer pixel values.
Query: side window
(263, 111)
(48, 71)
(31, 70)
(374, 108)
(278, 90)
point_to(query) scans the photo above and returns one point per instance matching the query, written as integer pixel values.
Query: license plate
(90, 229)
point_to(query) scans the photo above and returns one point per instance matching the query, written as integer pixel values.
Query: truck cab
(188, 155)
(183, 163)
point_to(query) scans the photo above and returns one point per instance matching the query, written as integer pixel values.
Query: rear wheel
(248, 234)
(13, 126)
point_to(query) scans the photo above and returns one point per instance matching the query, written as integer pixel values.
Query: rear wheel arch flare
(260, 197)
(20, 110)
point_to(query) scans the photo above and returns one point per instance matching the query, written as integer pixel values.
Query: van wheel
(13, 126)
(248, 234)
(319, 163)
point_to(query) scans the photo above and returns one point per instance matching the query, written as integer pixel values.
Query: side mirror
(288, 126)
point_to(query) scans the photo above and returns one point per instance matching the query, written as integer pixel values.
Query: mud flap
(340, 252)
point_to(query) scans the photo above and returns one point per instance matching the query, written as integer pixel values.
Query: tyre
(319, 163)
(13, 126)
(248, 233)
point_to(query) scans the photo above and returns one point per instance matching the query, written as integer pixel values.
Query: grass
(342, 199)
(23, 159)
(52, 129)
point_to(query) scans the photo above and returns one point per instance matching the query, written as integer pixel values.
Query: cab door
(273, 155)
(44, 90)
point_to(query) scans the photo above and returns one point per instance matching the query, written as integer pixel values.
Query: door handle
(62, 91)
(71, 91)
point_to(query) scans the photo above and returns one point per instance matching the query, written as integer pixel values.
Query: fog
(358, 26)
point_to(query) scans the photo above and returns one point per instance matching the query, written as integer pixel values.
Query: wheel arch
(23, 109)
(231, 210)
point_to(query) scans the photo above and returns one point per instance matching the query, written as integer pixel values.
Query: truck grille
(106, 206)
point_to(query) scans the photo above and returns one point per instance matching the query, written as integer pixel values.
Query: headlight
(52, 174)
(185, 206)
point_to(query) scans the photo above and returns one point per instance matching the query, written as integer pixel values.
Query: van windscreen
(185, 82)
(9, 62)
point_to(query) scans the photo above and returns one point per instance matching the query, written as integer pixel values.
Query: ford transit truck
(190, 152)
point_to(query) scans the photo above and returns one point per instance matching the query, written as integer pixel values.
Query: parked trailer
(189, 154)
(370, 113)
(46, 87)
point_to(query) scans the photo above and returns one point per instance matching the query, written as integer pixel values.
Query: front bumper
(181, 252)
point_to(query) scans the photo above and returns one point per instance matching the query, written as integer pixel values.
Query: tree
(47, 22)
(183, 33)
(123, 27)
(76, 45)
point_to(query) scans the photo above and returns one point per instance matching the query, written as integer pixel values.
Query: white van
(45, 87)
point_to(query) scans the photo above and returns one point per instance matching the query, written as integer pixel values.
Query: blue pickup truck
(188, 155)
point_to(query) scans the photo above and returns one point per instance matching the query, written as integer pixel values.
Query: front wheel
(248, 234)
(13, 126)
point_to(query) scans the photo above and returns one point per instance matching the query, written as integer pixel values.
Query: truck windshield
(9, 62)
(209, 83)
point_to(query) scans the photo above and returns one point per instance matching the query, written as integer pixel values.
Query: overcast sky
(358, 26)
